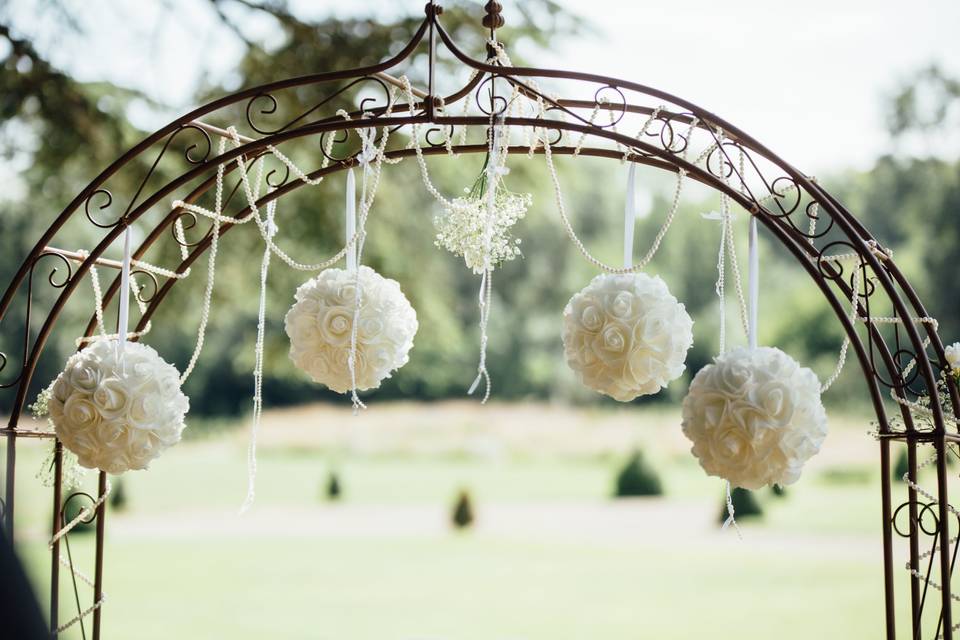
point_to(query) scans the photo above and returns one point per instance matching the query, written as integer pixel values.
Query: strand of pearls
(211, 270)
(415, 143)
(730, 514)
(639, 266)
(84, 514)
(842, 358)
(727, 245)
(258, 364)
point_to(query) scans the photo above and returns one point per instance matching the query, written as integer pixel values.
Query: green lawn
(552, 557)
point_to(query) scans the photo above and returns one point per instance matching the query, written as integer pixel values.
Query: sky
(808, 79)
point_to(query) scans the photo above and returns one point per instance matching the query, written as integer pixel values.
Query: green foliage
(637, 478)
(745, 505)
(462, 516)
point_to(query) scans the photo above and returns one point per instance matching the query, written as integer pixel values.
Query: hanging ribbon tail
(476, 383)
(629, 216)
(350, 219)
(753, 283)
(124, 321)
(730, 512)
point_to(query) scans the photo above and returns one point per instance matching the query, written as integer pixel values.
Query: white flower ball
(115, 416)
(320, 325)
(626, 335)
(754, 417)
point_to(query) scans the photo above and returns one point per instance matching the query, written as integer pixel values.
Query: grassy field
(551, 555)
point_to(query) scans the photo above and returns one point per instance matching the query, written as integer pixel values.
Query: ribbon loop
(350, 220)
(629, 216)
(123, 321)
(753, 284)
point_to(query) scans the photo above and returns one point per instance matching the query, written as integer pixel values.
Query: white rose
(111, 398)
(80, 411)
(336, 325)
(83, 375)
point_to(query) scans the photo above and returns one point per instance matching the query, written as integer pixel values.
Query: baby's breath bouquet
(469, 228)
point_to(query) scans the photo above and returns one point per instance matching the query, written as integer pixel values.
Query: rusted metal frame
(607, 153)
(729, 130)
(922, 361)
(171, 128)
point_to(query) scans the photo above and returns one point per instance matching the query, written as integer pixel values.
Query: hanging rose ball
(754, 417)
(116, 416)
(626, 335)
(320, 326)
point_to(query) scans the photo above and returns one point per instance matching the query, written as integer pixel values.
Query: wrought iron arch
(782, 198)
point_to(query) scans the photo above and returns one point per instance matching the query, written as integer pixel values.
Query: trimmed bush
(902, 466)
(118, 497)
(333, 489)
(462, 516)
(745, 505)
(637, 478)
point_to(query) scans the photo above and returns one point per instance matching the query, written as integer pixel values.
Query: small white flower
(464, 229)
(953, 355)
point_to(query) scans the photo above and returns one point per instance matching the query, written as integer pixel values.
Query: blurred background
(551, 512)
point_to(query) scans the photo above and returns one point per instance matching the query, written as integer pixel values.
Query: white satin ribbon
(124, 319)
(629, 215)
(350, 219)
(753, 284)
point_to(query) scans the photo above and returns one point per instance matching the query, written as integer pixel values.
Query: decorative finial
(433, 9)
(493, 20)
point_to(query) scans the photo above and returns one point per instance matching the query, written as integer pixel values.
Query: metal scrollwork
(142, 294)
(266, 104)
(105, 205)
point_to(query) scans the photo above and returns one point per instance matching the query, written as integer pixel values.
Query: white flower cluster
(463, 223)
(320, 327)
(754, 417)
(117, 415)
(626, 335)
